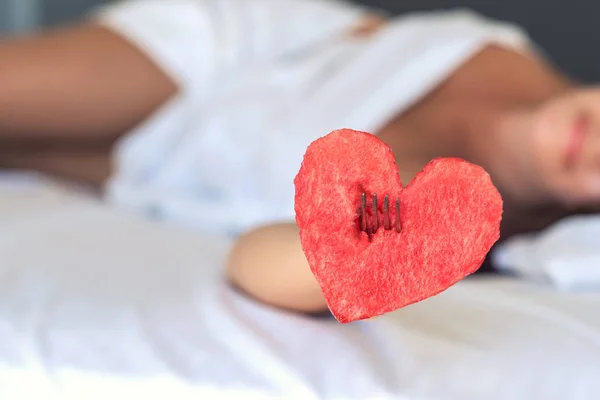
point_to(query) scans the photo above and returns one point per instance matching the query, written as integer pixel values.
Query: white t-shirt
(260, 80)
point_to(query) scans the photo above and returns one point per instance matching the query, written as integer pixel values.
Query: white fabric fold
(566, 255)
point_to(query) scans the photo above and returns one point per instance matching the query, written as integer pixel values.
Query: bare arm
(83, 82)
(269, 265)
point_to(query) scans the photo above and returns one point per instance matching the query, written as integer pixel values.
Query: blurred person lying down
(198, 112)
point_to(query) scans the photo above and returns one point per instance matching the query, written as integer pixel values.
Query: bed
(98, 304)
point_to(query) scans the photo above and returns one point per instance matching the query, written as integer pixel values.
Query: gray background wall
(55, 11)
(31, 13)
(568, 31)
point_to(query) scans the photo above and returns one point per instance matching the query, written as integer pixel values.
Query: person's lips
(577, 136)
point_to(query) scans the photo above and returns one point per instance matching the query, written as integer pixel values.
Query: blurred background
(567, 31)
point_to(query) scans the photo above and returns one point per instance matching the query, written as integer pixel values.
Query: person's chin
(576, 135)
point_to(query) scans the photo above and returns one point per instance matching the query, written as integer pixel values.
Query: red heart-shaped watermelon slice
(449, 217)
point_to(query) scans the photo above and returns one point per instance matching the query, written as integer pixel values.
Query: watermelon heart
(449, 218)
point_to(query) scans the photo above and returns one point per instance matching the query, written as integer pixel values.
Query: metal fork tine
(363, 212)
(386, 212)
(398, 224)
(375, 214)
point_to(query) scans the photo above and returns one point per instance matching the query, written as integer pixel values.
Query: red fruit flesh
(450, 217)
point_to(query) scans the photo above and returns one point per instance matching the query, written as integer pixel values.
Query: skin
(512, 113)
(68, 94)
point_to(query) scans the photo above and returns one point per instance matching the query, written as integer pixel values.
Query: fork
(371, 226)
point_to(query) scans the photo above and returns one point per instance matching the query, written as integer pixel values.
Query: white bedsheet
(566, 255)
(95, 304)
